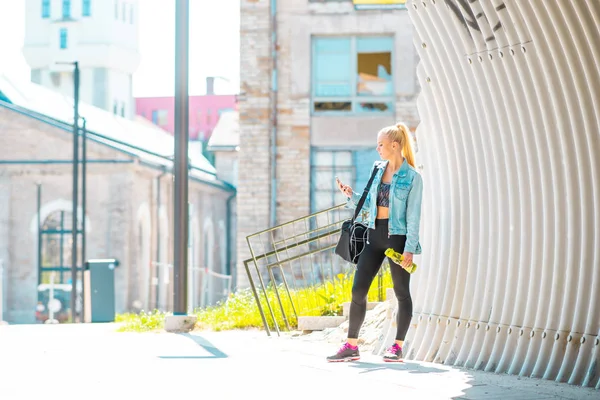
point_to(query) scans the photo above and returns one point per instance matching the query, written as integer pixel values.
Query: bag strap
(361, 202)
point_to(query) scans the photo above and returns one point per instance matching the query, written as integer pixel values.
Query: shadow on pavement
(202, 342)
(412, 368)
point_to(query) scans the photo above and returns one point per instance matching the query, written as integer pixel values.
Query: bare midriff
(383, 212)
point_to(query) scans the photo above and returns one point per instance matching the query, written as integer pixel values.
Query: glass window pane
(346, 176)
(63, 38)
(332, 106)
(66, 8)
(343, 158)
(323, 201)
(45, 8)
(324, 179)
(322, 158)
(374, 63)
(86, 8)
(332, 63)
(376, 44)
(375, 107)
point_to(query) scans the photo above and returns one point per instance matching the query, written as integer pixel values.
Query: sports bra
(383, 195)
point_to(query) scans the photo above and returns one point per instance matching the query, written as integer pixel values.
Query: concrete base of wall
(319, 323)
(180, 323)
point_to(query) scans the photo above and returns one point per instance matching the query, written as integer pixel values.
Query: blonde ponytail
(406, 144)
(401, 134)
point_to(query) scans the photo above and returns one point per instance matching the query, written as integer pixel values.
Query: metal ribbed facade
(509, 142)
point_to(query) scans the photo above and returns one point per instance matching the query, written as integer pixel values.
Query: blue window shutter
(63, 38)
(332, 67)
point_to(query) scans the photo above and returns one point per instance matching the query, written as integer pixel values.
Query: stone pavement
(95, 362)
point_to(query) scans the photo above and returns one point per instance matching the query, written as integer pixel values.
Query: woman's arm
(355, 198)
(413, 214)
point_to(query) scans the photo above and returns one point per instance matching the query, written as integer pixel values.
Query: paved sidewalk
(95, 362)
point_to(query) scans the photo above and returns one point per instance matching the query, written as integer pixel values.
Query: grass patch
(240, 311)
(142, 322)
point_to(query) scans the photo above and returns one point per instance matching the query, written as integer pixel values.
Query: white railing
(205, 287)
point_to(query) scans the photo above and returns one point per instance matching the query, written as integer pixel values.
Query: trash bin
(99, 281)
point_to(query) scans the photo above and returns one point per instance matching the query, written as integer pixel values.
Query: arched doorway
(54, 261)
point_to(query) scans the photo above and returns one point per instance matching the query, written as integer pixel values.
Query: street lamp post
(75, 186)
(180, 321)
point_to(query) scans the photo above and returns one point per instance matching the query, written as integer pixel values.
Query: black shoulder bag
(354, 234)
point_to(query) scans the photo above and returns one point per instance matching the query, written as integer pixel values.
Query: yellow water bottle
(397, 258)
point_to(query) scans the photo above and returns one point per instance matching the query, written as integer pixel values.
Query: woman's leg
(368, 265)
(401, 280)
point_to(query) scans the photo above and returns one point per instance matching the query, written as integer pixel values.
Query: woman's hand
(347, 190)
(407, 260)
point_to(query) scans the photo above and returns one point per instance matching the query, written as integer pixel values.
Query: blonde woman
(394, 213)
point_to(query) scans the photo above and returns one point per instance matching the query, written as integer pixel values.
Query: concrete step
(319, 323)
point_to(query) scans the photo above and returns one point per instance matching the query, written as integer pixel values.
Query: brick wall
(293, 128)
(255, 128)
(115, 194)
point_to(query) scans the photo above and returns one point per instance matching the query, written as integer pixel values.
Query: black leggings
(369, 264)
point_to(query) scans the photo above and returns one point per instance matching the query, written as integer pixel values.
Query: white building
(101, 35)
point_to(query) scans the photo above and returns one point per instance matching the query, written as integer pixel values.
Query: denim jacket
(406, 193)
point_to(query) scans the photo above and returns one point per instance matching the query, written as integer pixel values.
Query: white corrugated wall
(509, 142)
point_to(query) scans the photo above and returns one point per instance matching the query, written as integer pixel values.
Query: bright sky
(214, 45)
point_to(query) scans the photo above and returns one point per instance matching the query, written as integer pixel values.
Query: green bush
(240, 311)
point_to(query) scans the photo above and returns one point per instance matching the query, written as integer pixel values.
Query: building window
(63, 38)
(131, 14)
(116, 9)
(353, 167)
(352, 75)
(86, 8)
(122, 109)
(55, 269)
(115, 108)
(56, 246)
(66, 8)
(159, 117)
(45, 8)
(124, 12)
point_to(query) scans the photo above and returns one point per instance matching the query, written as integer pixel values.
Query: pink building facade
(204, 112)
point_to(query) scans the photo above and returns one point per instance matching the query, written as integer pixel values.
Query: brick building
(318, 80)
(129, 212)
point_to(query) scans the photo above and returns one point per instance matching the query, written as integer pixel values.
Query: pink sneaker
(346, 353)
(393, 354)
